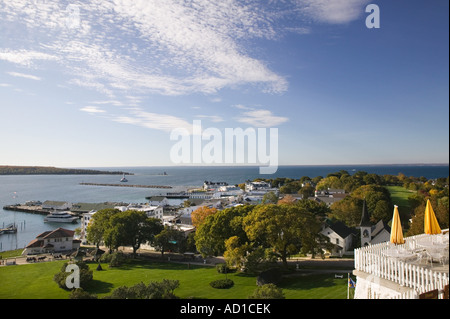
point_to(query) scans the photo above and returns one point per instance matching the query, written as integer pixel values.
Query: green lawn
(35, 281)
(400, 195)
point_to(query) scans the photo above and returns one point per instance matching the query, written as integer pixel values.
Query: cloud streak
(25, 76)
(261, 118)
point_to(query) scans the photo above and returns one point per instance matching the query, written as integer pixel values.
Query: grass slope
(35, 281)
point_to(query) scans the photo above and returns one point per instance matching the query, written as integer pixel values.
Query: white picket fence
(421, 279)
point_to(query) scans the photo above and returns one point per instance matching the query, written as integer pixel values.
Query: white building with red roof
(58, 240)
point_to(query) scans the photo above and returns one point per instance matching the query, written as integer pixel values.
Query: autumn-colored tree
(211, 235)
(199, 215)
(441, 210)
(235, 253)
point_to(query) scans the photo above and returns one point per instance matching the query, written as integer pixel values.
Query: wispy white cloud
(92, 110)
(162, 122)
(126, 48)
(108, 102)
(261, 118)
(25, 76)
(24, 57)
(331, 11)
(212, 118)
(178, 47)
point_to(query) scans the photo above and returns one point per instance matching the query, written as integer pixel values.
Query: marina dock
(11, 229)
(27, 209)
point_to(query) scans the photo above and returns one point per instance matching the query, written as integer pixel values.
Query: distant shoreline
(43, 170)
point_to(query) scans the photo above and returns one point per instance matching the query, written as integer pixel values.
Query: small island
(44, 170)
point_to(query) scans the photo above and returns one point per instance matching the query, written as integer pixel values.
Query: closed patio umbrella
(431, 225)
(396, 228)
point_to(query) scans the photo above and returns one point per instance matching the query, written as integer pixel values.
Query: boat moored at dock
(60, 217)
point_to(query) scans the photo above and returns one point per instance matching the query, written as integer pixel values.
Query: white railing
(371, 260)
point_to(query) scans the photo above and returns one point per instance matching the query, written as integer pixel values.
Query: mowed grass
(399, 195)
(35, 281)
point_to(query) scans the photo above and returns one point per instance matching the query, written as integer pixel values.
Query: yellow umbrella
(396, 228)
(431, 225)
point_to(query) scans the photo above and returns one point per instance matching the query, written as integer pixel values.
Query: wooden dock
(11, 229)
(127, 185)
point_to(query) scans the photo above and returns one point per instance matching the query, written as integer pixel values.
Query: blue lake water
(19, 189)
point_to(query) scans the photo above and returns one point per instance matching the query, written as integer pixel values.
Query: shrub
(222, 283)
(269, 291)
(224, 269)
(116, 259)
(79, 293)
(154, 290)
(86, 275)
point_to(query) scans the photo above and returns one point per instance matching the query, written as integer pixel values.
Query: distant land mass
(43, 170)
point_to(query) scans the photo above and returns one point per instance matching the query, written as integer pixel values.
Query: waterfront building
(85, 220)
(56, 205)
(255, 186)
(158, 201)
(208, 185)
(55, 241)
(150, 210)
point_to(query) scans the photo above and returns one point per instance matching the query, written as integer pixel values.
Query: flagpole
(348, 286)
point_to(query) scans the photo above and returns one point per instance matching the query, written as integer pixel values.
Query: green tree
(307, 191)
(348, 211)
(99, 226)
(169, 239)
(280, 227)
(373, 195)
(270, 198)
(133, 228)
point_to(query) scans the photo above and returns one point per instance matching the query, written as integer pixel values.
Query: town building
(372, 234)
(55, 241)
(329, 196)
(255, 186)
(158, 201)
(210, 186)
(56, 205)
(341, 236)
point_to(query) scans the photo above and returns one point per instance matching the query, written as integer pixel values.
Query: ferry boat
(60, 217)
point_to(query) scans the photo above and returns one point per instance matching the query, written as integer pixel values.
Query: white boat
(124, 180)
(60, 217)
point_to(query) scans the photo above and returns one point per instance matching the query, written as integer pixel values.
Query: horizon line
(230, 165)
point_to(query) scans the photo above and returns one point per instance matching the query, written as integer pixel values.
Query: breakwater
(127, 185)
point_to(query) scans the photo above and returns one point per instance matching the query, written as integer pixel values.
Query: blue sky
(103, 83)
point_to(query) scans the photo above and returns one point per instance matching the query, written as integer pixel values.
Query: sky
(106, 83)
